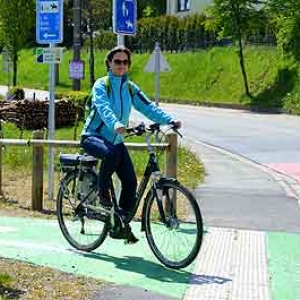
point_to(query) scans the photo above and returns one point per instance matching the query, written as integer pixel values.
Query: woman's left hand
(120, 130)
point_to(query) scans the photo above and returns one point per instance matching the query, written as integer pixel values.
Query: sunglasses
(118, 62)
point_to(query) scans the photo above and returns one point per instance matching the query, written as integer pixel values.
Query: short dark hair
(113, 51)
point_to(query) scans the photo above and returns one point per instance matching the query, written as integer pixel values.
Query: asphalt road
(241, 152)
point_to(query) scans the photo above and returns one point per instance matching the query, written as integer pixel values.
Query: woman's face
(119, 64)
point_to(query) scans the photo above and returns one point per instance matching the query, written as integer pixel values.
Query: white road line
(28, 245)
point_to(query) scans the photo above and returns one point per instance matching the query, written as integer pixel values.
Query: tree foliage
(16, 20)
(235, 19)
(287, 16)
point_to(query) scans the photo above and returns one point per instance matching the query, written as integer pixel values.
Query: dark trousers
(115, 158)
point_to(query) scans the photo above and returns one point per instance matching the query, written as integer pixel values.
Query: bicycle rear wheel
(85, 228)
(174, 226)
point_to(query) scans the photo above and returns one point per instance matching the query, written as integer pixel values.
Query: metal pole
(157, 70)
(121, 40)
(76, 38)
(51, 126)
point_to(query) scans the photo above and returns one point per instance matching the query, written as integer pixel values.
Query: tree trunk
(92, 56)
(15, 68)
(56, 68)
(236, 12)
(243, 68)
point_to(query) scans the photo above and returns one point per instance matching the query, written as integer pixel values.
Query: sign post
(7, 66)
(157, 64)
(124, 18)
(49, 30)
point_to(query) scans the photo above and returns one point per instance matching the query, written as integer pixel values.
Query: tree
(16, 20)
(234, 18)
(96, 17)
(151, 8)
(287, 18)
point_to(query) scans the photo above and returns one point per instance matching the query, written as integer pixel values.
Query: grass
(211, 76)
(190, 171)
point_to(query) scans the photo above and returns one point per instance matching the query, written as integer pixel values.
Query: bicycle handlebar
(152, 129)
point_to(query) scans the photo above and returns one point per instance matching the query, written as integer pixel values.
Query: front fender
(164, 180)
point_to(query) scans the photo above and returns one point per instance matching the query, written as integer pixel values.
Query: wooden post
(171, 167)
(1, 192)
(171, 155)
(37, 172)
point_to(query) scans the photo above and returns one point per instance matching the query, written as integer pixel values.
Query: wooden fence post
(37, 172)
(171, 165)
(171, 155)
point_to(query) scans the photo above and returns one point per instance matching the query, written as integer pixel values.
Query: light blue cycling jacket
(109, 112)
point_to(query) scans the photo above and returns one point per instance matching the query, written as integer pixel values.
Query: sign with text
(49, 55)
(124, 17)
(49, 21)
(76, 69)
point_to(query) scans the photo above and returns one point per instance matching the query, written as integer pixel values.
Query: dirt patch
(32, 282)
(28, 281)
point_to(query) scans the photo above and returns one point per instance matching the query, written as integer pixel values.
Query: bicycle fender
(165, 180)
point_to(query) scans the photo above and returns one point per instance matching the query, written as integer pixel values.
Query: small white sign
(76, 69)
(49, 55)
(163, 64)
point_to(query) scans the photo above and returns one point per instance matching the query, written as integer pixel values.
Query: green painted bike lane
(41, 242)
(284, 265)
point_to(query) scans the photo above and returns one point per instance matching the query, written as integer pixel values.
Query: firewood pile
(33, 114)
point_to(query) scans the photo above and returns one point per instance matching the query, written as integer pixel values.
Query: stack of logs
(33, 114)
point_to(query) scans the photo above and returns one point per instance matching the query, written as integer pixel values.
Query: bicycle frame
(152, 171)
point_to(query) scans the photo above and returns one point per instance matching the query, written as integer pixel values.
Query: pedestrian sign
(49, 21)
(124, 17)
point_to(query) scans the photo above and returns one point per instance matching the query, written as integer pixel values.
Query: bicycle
(170, 215)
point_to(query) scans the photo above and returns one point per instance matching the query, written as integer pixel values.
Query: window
(183, 5)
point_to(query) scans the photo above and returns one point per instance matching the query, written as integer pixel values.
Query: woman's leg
(127, 176)
(110, 159)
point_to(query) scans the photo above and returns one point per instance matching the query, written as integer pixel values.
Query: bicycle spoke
(80, 226)
(176, 241)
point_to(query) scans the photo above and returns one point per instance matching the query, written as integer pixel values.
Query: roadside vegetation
(211, 77)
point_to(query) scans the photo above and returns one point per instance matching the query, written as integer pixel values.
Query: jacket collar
(114, 77)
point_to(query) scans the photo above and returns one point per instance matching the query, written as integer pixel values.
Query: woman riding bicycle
(102, 136)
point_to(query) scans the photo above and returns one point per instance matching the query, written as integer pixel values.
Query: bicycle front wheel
(84, 228)
(174, 226)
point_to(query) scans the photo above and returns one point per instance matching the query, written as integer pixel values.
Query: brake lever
(176, 131)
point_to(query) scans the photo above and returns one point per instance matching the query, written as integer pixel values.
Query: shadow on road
(157, 271)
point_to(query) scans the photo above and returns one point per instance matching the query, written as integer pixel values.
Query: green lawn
(203, 76)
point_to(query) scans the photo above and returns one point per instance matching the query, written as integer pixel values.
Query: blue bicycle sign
(124, 17)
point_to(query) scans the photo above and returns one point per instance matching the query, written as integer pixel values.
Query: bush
(79, 99)
(104, 40)
(16, 93)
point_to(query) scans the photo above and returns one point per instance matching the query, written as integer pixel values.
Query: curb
(290, 185)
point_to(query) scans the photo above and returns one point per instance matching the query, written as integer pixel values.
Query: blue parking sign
(124, 17)
(49, 21)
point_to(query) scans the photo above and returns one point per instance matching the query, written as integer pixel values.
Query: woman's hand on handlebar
(177, 124)
(121, 130)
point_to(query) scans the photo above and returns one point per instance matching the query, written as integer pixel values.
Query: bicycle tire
(184, 227)
(84, 231)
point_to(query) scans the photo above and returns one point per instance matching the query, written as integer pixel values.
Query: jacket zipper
(121, 100)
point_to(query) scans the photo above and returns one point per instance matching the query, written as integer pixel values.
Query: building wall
(196, 6)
